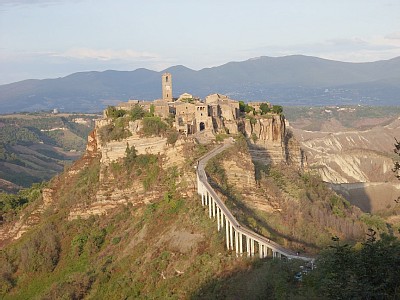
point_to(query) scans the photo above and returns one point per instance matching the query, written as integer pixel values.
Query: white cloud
(352, 50)
(33, 2)
(393, 36)
(106, 54)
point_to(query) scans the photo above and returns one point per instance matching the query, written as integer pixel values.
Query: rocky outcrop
(270, 142)
(240, 173)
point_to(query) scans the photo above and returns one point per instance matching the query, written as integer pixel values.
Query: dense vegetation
(151, 124)
(11, 204)
(365, 271)
(264, 108)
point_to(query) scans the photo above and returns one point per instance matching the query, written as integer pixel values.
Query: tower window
(166, 78)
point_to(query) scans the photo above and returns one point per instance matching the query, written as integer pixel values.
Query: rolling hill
(289, 80)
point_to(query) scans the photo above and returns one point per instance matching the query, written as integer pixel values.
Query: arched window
(202, 126)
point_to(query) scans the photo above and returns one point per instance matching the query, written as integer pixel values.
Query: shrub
(114, 113)
(172, 136)
(41, 251)
(254, 137)
(220, 137)
(154, 126)
(113, 132)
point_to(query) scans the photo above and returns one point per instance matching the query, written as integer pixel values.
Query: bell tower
(166, 87)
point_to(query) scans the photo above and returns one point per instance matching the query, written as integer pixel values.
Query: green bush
(277, 109)
(114, 132)
(264, 107)
(154, 126)
(114, 113)
(374, 221)
(41, 251)
(172, 136)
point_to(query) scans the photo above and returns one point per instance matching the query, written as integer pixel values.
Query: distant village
(192, 115)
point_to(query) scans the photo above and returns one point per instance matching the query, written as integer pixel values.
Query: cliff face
(270, 141)
(351, 156)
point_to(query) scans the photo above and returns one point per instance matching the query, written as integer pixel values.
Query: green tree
(130, 156)
(242, 106)
(248, 108)
(136, 113)
(344, 272)
(152, 110)
(264, 107)
(277, 109)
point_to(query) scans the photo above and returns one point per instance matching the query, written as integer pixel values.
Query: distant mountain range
(289, 80)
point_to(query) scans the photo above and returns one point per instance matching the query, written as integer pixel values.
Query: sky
(54, 38)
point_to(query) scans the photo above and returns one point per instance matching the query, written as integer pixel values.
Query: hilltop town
(206, 119)
(215, 114)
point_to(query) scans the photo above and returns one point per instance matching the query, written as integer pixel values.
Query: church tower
(167, 87)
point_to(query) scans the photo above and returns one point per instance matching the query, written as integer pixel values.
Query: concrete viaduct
(238, 238)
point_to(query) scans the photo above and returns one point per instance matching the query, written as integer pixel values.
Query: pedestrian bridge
(238, 238)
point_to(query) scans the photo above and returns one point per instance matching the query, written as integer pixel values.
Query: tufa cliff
(271, 142)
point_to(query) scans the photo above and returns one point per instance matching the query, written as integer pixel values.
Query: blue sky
(54, 38)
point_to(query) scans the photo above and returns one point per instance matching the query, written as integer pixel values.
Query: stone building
(166, 80)
(217, 113)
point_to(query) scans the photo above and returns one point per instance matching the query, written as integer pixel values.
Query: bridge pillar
(260, 249)
(273, 254)
(202, 199)
(252, 248)
(209, 205)
(240, 243)
(218, 219)
(213, 207)
(227, 233)
(231, 235)
(236, 243)
(248, 246)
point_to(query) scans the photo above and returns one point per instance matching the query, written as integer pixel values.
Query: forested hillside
(35, 147)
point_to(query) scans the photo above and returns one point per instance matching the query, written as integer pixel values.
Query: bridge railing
(263, 242)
